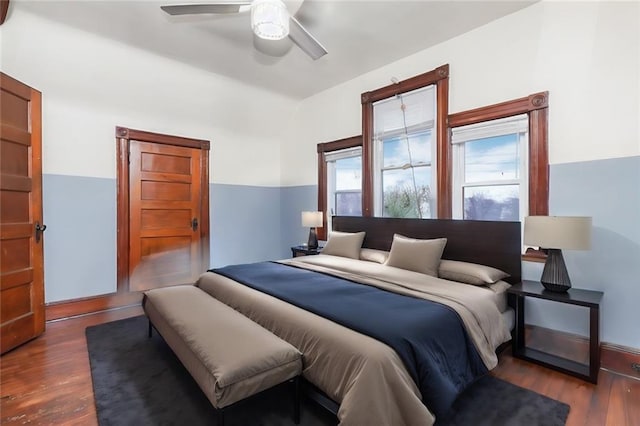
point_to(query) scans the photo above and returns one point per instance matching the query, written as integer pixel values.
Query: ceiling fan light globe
(270, 19)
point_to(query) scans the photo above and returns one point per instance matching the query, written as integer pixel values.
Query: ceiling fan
(270, 20)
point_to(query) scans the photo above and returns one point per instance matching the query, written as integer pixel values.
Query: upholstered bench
(229, 356)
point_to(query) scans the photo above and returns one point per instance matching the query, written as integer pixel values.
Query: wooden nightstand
(304, 251)
(587, 298)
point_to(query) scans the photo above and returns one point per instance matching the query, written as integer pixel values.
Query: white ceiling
(359, 35)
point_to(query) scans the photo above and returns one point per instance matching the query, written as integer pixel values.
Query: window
(344, 183)
(403, 153)
(339, 180)
(490, 163)
(404, 127)
(412, 168)
(514, 129)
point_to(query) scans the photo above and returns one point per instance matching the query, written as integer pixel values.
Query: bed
(364, 379)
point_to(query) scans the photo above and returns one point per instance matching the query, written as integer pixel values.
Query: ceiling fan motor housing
(270, 19)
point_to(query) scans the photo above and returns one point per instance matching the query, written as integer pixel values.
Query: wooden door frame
(124, 136)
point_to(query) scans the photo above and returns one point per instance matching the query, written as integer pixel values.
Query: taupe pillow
(345, 244)
(469, 273)
(416, 255)
(373, 255)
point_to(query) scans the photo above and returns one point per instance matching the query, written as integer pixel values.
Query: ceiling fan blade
(194, 9)
(305, 41)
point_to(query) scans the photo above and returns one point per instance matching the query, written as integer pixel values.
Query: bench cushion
(229, 356)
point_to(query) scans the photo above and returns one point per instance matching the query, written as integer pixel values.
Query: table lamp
(555, 233)
(312, 220)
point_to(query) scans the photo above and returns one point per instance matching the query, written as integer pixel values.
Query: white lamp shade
(558, 232)
(311, 219)
(269, 19)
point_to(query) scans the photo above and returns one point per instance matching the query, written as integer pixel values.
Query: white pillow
(469, 273)
(416, 255)
(345, 244)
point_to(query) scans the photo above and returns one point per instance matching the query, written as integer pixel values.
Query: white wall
(91, 84)
(586, 54)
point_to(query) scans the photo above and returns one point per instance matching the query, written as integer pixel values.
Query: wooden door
(165, 196)
(21, 258)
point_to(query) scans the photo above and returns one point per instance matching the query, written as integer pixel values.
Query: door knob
(39, 230)
(194, 223)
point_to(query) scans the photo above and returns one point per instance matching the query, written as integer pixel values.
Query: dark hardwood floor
(47, 381)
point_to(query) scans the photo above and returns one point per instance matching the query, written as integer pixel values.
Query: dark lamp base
(313, 239)
(555, 276)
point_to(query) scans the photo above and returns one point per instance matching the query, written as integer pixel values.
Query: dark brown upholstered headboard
(494, 244)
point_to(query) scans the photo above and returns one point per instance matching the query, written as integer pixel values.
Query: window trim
(440, 78)
(536, 106)
(322, 149)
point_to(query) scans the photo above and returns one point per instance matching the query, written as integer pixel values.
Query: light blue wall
(260, 223)
(608, 191)
(245, 224)
(80, 240)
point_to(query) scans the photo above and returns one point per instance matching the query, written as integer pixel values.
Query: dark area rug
(139, 381)
(491, 401)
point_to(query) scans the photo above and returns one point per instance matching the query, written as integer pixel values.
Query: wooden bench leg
(296, 400)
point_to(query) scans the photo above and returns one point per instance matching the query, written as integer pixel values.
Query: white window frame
(378, 153)
(330, 159)
(518, 124)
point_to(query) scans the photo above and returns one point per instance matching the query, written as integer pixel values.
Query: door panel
(15, 302)
(161, 163)
(14, 158)
(16, 255)
(168, 191)
(13, 206)
(15, 109)
(164, 200)
(21, 256)
(165, 218)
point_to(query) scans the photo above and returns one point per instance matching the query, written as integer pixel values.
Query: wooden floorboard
(48, 381)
